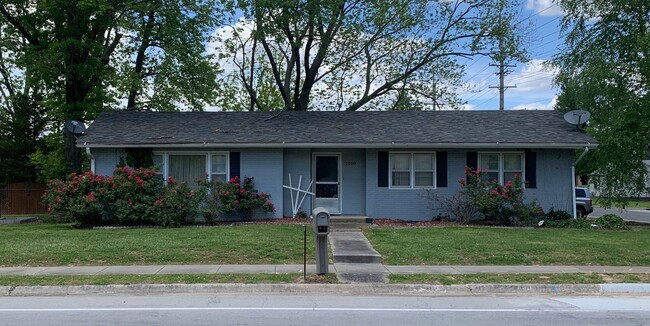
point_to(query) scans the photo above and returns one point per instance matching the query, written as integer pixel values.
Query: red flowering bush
(77, 200)
(235, 198)
(503, 204)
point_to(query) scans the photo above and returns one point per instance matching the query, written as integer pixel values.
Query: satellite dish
(577, 117)
(75, 126)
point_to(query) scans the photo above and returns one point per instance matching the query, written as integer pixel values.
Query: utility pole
(502, 73)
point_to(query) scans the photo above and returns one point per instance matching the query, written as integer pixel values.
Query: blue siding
(553, 186)
(553, 179)
(298, 163)
(106, 159)
(353, 189)
(265, 165)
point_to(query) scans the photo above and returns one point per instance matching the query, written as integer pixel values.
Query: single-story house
(374, 164)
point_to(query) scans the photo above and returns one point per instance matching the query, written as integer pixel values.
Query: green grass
(520, 278)
(510, 246)
(61, 245)
(632, 204)
(13, 280)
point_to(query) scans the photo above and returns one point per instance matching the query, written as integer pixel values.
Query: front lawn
(61, 245)
(510, 246)
(632, 204)
(581, 278)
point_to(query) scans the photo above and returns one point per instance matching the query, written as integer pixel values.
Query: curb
(330, 289)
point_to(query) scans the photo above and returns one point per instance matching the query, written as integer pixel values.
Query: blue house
(375, 164)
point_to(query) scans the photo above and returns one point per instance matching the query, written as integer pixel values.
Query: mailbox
(321, 221)
(321, 224)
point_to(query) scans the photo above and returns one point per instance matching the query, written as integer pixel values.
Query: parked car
(583, 202)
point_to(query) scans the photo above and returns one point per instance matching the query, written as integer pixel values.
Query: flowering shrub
(175, 204)
(236, 197)
(130, 195)
(78, 200)
(503, 204)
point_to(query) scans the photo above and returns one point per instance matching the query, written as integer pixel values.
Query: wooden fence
(22, 198)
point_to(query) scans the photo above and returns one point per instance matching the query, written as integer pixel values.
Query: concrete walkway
(335, 268)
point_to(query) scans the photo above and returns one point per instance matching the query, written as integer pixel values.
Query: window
(501, 167)
(218, 171)
(412, 170)
(191, 166)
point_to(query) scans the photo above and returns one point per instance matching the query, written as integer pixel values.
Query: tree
(162, 63)
(345, 55)
(23, 115)
(605, 69)
(87, 53)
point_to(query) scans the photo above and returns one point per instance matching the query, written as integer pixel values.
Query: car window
(580, 193)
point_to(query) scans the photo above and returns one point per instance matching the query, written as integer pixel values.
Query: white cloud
(534, 77)
(544, 7)
(537, 105)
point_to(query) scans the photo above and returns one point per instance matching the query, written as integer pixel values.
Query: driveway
(637, 215)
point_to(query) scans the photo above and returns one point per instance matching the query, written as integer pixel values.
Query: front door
(327, 169)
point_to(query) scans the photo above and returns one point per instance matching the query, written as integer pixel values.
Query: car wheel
(580, 213)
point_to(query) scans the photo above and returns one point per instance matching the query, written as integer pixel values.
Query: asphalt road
(324, 310)
(638, 215)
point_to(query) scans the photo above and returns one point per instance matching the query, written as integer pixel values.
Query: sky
(540, 21)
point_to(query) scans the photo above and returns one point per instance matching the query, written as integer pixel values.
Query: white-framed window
(502, 167)
(192, 166)
(412, 170)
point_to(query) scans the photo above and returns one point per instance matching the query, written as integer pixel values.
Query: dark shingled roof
(535, 129)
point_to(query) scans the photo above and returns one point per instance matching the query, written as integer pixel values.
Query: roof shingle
(360, 129)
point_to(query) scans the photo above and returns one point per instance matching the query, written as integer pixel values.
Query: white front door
(327, 172)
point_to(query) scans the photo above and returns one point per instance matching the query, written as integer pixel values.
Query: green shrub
(130, 196)
(557, 215)
(611, 222)
(235, 198)
(176, 205)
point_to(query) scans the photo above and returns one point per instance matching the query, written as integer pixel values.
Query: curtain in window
(188, 168)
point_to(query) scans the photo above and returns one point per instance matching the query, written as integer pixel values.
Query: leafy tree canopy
(605, 69)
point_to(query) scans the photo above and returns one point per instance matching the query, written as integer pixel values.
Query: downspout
(92, 159)
(573, 182)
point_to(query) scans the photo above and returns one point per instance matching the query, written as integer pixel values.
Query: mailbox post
(321, 224)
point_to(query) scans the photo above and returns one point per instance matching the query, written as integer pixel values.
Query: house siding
(106, 160)
(297, 162)
(265, 165)
(553, 186)
(553, 180)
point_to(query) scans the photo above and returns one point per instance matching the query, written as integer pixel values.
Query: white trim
(501, 170)
(339, 157)
(388, 145)
(412, 170)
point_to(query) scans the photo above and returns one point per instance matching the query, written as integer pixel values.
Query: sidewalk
(333, 268)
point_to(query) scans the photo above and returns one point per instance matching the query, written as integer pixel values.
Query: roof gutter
(344, 145)
(573, 181)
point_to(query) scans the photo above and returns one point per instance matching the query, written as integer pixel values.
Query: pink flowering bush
(176, 203)
(130, 195)
(235, 198)
(77, 200)
(503, 204)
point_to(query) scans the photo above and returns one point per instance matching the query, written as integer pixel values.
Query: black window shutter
(441, 169)
(234, 164)
(382, 169)
(472, 160)
(531, 169)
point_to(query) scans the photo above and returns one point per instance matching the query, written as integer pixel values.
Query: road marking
(282, 309)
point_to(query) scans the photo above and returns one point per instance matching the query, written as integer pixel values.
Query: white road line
(282, 309)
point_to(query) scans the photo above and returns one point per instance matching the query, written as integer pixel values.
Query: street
(224, 309)
(631, 214)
